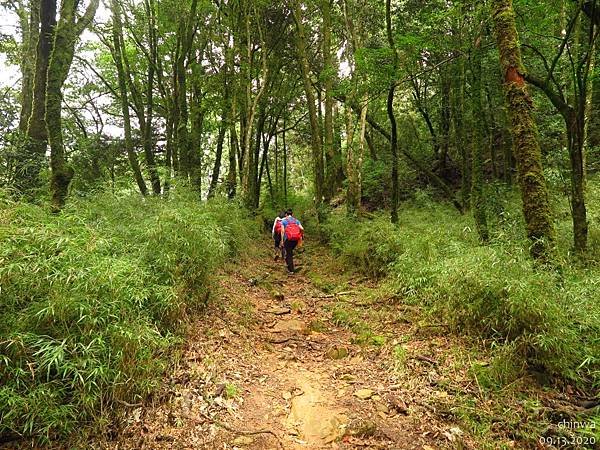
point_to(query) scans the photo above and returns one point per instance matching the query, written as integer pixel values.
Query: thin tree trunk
(30, 25)
(122, 80)
(576, 138)
(232, 172)
(285, 168)
(219, 153)
(477, 197)
(445, 120)
(355, 159)
(391, 115)
(460, 139)
(331, 171)
(317, 151)
(168, 154)
(147, 131)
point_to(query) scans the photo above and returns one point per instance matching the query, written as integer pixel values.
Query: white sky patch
(9, 25)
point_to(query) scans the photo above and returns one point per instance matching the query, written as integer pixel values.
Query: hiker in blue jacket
(291, 233)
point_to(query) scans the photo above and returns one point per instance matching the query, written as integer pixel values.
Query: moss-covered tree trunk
(534, 194)
(478, 149)
(30, 32)
(67, 33)
(33, 157)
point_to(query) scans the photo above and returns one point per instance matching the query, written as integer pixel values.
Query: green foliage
(368, 246)
(93, 299)
(546, 318)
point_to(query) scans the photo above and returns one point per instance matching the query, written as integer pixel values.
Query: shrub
(433, 258)
(369, 246)
(92, 300)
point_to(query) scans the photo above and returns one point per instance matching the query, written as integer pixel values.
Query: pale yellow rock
(243, 440)
(381, 407)
(289, 325)
(364, 394)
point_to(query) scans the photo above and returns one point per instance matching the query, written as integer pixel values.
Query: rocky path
(287, 362)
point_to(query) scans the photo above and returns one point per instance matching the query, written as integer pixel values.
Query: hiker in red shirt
(276, 233)
(291, 232)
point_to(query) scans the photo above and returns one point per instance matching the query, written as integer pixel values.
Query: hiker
(291, 232)
(276, 233)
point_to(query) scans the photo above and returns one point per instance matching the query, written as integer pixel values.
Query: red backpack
(278, 227)
(292, 230)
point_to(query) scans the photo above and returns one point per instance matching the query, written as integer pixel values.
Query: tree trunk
(217, 166)
(460, 139)
(233, 151)
(355, 159)
(185, 39)
(576, 145)
(67, 33)
(317, 151)
(477, 197)
(32, 161)
(197, 116)
(168, 154)
(122, 80)
(147, 131)
(534, 194)
(594, 114)
(285, 168)
(445, 120)
(30, 26)
(391, 115)
(331, 171)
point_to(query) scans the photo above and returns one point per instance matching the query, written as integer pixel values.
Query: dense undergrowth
(93, 301)
(537, 318)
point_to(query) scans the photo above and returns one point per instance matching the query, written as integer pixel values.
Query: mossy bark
(534, 193)
(66, 34)
(33, 156)
(30, 31)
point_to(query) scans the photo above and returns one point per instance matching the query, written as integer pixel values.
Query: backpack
(278, 227)
(292, 230)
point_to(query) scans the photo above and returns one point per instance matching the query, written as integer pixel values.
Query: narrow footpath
(307, 361)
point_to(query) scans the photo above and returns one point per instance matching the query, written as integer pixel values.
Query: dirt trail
(269, 366)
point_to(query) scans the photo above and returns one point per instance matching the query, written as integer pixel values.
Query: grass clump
(370, 246)
(93, 299)
(548, 319)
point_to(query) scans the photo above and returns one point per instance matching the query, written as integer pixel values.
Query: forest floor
(308, 361)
